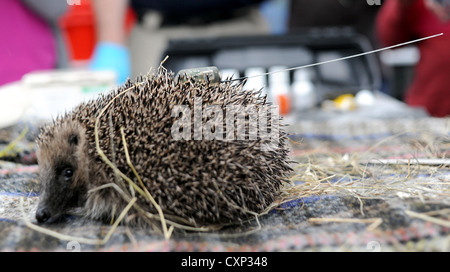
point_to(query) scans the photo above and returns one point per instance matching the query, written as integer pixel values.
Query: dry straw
(13, 144)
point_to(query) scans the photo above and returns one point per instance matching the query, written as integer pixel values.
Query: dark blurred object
(191, 8)
(401, 62)
(240, 53)
(307, 16)
(358, 14)
(401, 79)
(177, 12)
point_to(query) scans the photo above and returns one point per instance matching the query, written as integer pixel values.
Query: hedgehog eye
(68, 173)
(73, 139)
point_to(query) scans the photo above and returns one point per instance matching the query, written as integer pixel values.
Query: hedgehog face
(63, 170)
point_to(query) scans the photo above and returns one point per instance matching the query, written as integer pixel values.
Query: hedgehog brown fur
(201, 181)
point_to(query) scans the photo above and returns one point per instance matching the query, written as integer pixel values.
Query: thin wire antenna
(339, 59)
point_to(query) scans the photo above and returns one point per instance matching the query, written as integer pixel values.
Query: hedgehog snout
(43, 215)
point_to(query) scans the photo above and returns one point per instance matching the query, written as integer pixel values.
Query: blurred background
(56, 53)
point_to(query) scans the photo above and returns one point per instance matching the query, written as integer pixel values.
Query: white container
(53, 93)
(303, 95)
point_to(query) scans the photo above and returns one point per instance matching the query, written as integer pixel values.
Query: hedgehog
(196, 181)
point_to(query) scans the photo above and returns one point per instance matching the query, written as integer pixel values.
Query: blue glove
(111, 56)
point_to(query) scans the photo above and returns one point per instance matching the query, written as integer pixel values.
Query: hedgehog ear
(73, 139)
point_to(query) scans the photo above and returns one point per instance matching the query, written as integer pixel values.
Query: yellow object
(345, 102)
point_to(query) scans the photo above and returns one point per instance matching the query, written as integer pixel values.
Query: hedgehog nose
(42, 215)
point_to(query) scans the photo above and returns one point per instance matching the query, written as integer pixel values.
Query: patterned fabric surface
(344, 196)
